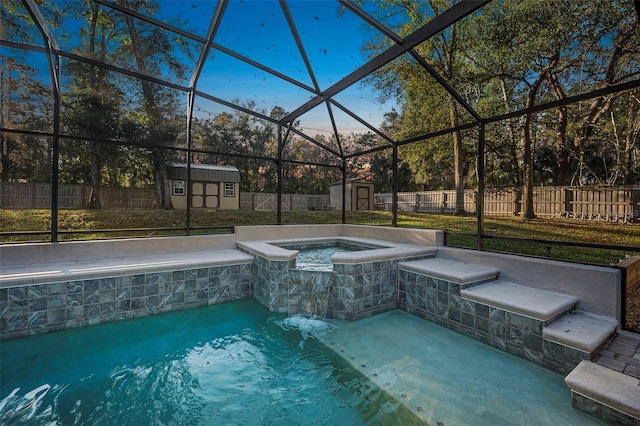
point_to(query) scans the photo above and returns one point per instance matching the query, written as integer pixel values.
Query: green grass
(145, 221)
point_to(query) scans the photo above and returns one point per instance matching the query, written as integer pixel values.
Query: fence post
(635, 205)
(443, 205)
(568, 201)
(517, 202)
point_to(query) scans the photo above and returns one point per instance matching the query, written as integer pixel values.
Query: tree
(151, 52)
(426, 106)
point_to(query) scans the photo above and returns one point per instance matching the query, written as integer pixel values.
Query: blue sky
(259, 30)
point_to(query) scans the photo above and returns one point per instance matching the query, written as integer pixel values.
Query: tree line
(120, 130)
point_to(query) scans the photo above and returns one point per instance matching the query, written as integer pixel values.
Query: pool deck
(621, 353)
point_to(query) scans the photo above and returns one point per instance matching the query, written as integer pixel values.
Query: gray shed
(212, 186)
(359, 194)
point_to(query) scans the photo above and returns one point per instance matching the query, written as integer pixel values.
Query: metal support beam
(211, 33)
(53, 60)
(434, 26)
(344, 191)
(480, 199)
(279, 177)
(394, 187)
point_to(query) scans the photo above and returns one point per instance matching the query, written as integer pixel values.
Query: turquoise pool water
(232, 364)
(317, 257)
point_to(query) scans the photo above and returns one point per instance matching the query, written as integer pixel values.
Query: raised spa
(343, 278)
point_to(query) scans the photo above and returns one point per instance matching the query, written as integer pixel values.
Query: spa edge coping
(382, 250)
(102, 268)
(36, 263)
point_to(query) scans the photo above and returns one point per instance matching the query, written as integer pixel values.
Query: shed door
(204, 195)
(362, 198)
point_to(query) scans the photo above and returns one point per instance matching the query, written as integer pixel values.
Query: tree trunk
(527, 190)
(458, 161)
(4, 140)
(94, 199)
(155, 119)
(632, 138)
(94, 91)
(561, 176)
(600, 105)
(513, 148)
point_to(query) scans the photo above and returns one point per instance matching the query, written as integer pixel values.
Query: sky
(259, 30)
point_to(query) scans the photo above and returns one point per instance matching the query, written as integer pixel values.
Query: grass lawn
(145, 221)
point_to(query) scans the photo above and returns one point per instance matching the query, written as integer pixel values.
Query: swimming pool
(233, 363)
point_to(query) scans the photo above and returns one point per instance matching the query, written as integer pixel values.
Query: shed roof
(205, 172)
(352, 180)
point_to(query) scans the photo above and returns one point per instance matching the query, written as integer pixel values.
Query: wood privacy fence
(608, 204)
(38, 196)
(269, 202)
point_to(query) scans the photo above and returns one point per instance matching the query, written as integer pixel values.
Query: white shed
(359, 194)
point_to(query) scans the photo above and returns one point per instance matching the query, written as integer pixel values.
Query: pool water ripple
(224, 364)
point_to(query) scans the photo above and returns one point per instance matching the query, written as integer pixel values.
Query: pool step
(584, 331)
(454, 271)
(608, 395)
(542, 305)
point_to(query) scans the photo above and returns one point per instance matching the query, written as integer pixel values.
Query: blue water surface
(232, 364)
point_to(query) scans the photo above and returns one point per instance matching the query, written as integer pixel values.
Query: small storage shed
(359, 194)
(212, 186)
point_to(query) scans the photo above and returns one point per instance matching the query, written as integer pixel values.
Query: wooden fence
(38, 196)
(269, 202)
(607, 204)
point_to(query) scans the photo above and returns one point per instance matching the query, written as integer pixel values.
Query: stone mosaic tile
(42, 308)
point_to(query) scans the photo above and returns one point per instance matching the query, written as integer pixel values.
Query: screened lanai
(109, 94)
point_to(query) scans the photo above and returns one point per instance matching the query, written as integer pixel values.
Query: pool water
(318, 257)
(234, 364)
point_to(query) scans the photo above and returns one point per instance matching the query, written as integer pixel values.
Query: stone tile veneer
(358, 290)
(601, 412)
(42, 308)
(439, 301)
(270, 286)
(364, 289)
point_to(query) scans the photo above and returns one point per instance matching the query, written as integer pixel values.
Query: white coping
(531, 302)
(84, 269)
(31, 263)
(608, 387)
(386, 249)
(72, 251)
(581, 330)
(421, 237)
(599, 288)
(451, 270)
